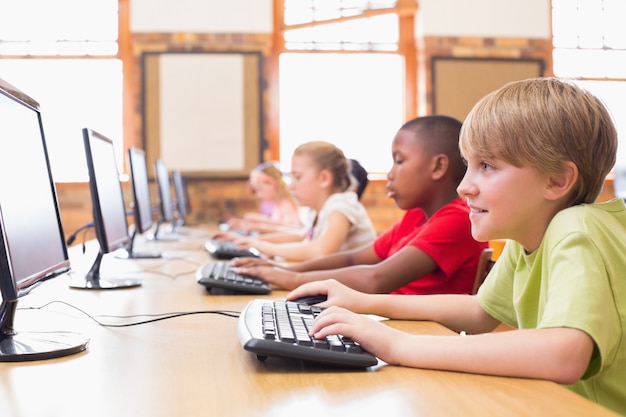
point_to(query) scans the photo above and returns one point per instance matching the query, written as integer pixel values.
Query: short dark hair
(360, 176)
(440, 134)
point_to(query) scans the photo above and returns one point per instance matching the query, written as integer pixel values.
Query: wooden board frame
(458, 83)
(215, 100)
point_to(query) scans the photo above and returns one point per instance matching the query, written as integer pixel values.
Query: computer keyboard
(226, 249)
(280, 328)
(220, 275)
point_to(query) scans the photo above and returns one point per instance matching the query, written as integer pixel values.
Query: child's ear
(561, 183)
(440, 164)
(326, 178)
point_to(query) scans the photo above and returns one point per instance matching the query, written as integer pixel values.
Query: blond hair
(542, 123)
(328, 157)
(272, 170)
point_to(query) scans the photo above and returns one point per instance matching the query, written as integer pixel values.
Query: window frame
(405, 10)
(593, 78)
(125, 55)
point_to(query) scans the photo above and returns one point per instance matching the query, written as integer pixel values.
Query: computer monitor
(109, 212)
(166, 205)
(32, 247)
(142, 203)
(182, 202)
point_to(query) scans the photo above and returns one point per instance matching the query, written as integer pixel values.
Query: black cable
(73, 236)
(157, 316)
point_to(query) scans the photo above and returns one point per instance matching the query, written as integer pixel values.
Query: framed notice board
(202, 112)
(458, 83)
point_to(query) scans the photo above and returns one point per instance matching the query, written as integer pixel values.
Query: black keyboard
(226, 249)
(280, 328)
(220, 275)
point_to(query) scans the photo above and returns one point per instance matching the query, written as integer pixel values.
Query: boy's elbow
(574, 355)
(572, 370)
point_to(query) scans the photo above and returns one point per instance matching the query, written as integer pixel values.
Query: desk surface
(195, 366)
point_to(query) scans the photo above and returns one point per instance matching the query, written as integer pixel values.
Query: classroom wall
(510, 29)
(200, 16)
(484, 18)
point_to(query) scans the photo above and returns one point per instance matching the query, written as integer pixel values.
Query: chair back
(485, 263)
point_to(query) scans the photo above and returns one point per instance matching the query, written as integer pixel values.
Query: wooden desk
(195, 366)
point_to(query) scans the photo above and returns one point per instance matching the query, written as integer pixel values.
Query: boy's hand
(373, 336)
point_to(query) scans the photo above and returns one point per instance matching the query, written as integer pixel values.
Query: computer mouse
(311, 299)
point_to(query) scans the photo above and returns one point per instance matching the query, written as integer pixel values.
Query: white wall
(483, 18)
(211, 16)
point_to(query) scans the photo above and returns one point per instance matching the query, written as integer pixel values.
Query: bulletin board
(458, 83)
(202, 112)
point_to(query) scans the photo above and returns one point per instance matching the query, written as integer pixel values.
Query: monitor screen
(32, 234)
(165, 191)
(140, 185)
(182, 202)
(32, 245)
(142, 205)
(109, 211)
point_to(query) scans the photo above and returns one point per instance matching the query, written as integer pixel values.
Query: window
(342, 77)
(589, 40)
(69, 62)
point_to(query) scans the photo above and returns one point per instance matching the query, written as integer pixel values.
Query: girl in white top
(320, 180)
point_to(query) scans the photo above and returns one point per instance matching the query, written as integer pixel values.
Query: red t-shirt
(446, 237)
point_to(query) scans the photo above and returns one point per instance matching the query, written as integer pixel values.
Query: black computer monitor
(109, 212)
(142, 203)
(182, 202)
(166, 206)
(32, 246)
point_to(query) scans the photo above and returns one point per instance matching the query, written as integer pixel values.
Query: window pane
(72, 94)
(612, 93)
(354, 101)
(565, 24)
(615, 36)
(591, 63)
(379, 33)
(376, 33)
(57, 27)
(306, 11)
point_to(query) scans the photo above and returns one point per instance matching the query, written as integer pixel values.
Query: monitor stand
(93, 281)
(131, 253)
(34, 346)
(171, 236)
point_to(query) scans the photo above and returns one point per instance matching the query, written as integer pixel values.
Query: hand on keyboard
(372, 335)
(253, 262)
(337, 294)
(219, 275)
(281, 328)
(226, 249)
(278, 277)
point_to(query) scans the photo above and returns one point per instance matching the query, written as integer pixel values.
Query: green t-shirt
(576, 278)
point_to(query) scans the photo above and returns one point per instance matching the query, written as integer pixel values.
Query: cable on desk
(157, 316)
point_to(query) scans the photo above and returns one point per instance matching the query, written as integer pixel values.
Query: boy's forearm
(454, 311)
(511, 353)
